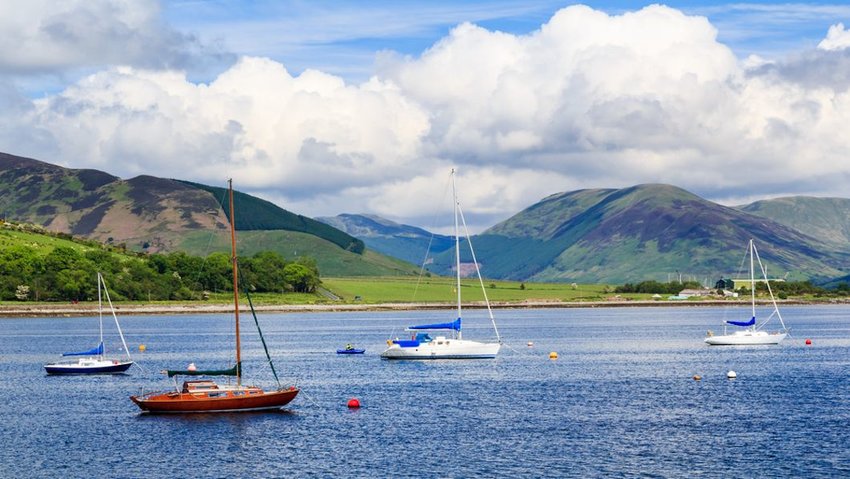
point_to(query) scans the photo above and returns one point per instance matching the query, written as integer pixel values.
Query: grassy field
(44, 244)
(439, 289)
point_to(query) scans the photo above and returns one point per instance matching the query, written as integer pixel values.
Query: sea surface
(620, 400)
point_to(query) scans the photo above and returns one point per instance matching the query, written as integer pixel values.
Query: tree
(300, 278)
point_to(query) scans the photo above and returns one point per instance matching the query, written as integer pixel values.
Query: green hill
(638, 233)
(827, 219)
(153, 214)
(255, 214)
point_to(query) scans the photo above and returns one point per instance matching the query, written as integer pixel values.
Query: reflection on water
(618, 401)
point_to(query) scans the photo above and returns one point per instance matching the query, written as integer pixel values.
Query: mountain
(827, 219)
(639, 233)
(155, 214)
(408, 243)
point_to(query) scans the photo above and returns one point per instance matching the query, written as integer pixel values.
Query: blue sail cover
(455, 325)
(91, 352)
(751, 322)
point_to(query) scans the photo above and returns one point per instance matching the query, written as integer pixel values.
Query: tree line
(782, 289)
(66, 274)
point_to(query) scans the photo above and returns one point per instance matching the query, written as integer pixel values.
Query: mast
(235, 284)
(457, 246)
(752, 281)
(100, 316)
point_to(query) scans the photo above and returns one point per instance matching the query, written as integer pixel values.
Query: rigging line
(112, 309)
(301, 391)
(430, 241)
(769, 290)
(262, 339)
(478, 271)
(206, 250)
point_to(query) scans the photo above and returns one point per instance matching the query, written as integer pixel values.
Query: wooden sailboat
(206, 396)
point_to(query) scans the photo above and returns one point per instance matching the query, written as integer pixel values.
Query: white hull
(444, 349)
(746, 338)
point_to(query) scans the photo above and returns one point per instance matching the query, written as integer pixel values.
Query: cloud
(837, 38)
(587, 100)
(306, 135)
(43, 36)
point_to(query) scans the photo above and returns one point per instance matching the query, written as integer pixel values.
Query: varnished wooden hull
(182, 403)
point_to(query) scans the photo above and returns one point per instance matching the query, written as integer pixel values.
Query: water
(619, 401)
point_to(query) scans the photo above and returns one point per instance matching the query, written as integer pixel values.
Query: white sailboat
(94, 361)
(753, 332)
(450, 344)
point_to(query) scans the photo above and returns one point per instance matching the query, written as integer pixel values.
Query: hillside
(827, 219)
(153, 214)
(642, 232)
(407, 243)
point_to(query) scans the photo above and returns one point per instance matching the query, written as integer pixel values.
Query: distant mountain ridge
(648, 232)
(156, 214)
(408, 243)
(827, 219)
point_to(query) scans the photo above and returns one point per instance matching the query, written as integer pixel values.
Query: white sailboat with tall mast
(95, 360)
(753, 332)
(449, 344)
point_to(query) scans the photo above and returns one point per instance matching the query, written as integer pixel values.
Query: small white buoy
(192, 367)
(731, 374)
(530, 344)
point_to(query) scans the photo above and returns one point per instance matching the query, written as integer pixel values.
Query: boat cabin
(199, 386)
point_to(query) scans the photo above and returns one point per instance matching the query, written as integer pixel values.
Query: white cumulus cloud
(837, 38)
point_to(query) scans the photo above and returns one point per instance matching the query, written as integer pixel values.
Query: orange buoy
(808, 342)
(697, 377)
(353, 403)
(142, 348)
(553, 355)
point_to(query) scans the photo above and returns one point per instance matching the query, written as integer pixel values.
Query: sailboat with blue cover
(752, 332)
(447, 341)
(94, 361)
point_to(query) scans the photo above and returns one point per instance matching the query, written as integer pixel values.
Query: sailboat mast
(752, 281)
(457, 246)
(235, 284)
(100, 316)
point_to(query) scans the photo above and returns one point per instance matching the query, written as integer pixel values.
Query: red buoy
(808, 342)
(353, 403)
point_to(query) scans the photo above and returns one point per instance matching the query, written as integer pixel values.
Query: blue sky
(363, 107)
(343, 37)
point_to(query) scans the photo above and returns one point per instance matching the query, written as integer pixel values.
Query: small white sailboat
(94, 361)
(422, 345)
(753, 332)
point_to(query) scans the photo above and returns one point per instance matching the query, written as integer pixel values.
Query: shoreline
(71, 310)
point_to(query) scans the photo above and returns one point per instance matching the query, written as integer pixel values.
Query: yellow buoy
(697, 377)
(142, 348)
(553, 355)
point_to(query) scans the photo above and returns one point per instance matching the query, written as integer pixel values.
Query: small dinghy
(350, 349)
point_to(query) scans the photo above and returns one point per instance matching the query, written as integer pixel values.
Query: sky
(329, 107)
